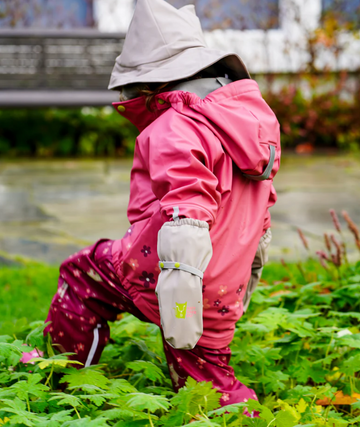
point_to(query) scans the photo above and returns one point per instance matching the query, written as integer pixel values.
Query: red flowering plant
(320, 107)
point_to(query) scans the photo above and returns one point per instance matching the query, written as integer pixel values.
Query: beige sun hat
(165, 44)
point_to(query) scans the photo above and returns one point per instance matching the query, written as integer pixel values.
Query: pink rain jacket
(190, 154)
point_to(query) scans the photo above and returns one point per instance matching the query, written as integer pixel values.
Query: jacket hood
(236, 113)
(165, 44)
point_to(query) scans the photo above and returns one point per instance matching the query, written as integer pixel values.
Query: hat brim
(181, 66)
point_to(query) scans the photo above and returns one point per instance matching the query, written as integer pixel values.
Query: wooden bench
(57, 67)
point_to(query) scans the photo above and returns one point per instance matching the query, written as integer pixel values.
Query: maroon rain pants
(90, 294)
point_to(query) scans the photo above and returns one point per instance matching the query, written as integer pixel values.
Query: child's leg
(261, 258)
(89, 294)
(204, 364)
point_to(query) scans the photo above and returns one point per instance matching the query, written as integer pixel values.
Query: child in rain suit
(200, 192)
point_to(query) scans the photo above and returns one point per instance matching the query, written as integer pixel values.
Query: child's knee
(81, 333)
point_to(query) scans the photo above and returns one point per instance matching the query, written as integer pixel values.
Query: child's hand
(184, 248)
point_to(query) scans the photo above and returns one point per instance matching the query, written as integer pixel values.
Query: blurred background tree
(236, 14)
(53, 14)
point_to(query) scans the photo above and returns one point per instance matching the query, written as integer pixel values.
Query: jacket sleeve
(181, 168)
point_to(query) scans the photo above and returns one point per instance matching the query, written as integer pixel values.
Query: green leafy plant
(68, 132)
(298, 346)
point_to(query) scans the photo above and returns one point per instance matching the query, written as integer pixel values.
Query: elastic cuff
(187, 221)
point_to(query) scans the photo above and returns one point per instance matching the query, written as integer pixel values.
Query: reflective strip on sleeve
(266, 174)
(180, 266)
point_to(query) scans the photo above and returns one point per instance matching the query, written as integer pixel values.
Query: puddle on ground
(16, 206)
(50, 209)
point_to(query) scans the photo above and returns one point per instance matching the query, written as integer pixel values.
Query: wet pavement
(52, 208)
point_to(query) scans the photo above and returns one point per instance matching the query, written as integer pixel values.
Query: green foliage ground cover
(299, 343)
